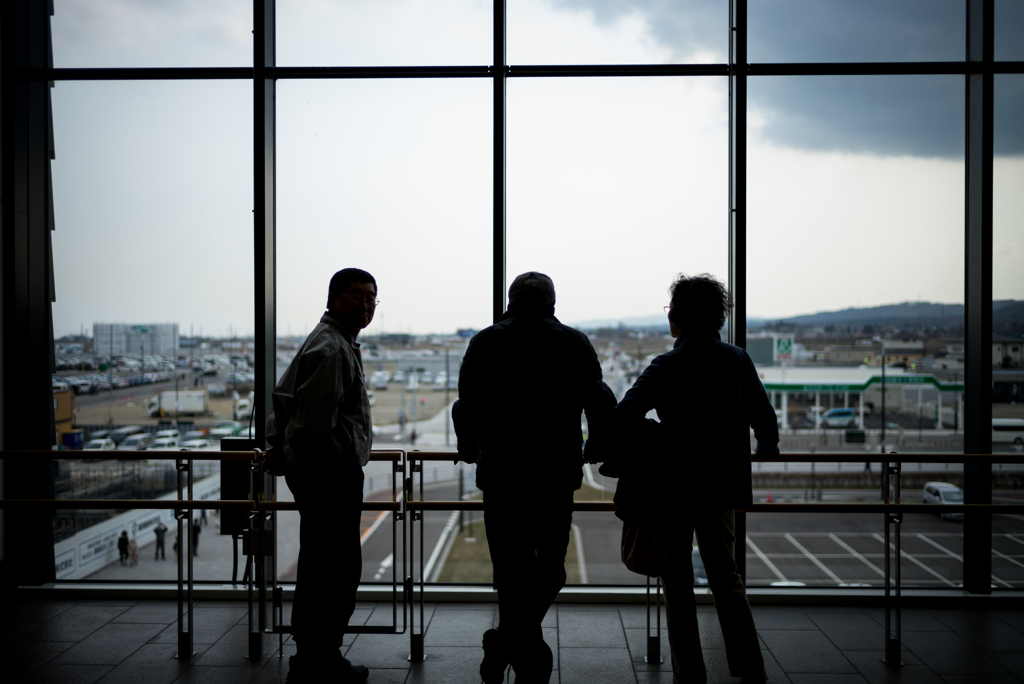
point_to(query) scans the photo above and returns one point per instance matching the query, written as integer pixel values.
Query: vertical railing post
(654, 641)
(416, 652)
(184, 518)
(893, 595)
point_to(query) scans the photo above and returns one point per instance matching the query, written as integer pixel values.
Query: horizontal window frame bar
(524, 71)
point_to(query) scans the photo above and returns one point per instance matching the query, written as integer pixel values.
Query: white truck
(182, 402)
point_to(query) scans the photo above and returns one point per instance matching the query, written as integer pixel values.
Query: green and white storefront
(856, 387)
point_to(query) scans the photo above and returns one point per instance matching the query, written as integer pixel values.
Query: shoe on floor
(536, 669)
(495, 662)
(335, 668)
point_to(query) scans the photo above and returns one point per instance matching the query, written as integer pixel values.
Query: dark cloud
(921, 116)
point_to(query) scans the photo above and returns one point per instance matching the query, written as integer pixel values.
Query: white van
(1008, 431)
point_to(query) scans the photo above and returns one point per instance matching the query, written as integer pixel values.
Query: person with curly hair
(708, 395)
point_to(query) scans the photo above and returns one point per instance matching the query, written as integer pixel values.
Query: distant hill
(1007, 315)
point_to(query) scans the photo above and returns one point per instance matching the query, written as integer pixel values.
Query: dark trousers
(527, 536)
(161, 551)
(716, 538)
(330, 561)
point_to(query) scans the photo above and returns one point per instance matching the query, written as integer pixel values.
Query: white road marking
(1003, 555)
(373, 528)
(810, 556)
(384, 565)
(853, 552)
(442, 544)
(1016, 539)
(580, 558)
(764, 559)
(957, 556)
(913, 560)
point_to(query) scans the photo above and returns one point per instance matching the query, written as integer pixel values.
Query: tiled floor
(128, 641)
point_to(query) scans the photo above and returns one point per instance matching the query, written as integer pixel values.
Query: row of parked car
(103, 382)
(135, 438)
(380, 380)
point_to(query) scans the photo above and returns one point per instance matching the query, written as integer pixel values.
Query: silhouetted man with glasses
(321, 435)
(523, 385)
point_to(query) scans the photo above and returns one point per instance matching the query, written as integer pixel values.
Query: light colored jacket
(321, 411)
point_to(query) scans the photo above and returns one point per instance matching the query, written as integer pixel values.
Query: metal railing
(408, 509)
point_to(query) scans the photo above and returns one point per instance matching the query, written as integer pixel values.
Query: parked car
(137, 442)
(839, 417)
(944, 494)
(102, 444)
(168, 434)
(195, 445)
(191, 435)
(164, 443)
(219, 433)
(121, 434)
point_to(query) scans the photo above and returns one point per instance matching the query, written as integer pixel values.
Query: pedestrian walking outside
(161, 534)
(197, 529)
(122, 547)
(133, 552)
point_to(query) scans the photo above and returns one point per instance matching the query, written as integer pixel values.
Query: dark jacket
(708, 395)
(523, 385)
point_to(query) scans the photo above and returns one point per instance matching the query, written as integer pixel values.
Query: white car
(168, 434)
(945, 494)
(219, 433)
(195, 445)
(164, 443)
(140, 441)
(839, 417)
(100, 445)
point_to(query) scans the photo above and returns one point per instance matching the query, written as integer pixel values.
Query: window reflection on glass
(394, 33)
(871, 31)
(125, 33)
(855, 314)
(595, 32)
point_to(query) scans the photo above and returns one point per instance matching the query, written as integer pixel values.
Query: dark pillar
(499, 71)
(978, 295)
(265, 209)
(738, 207)
(26, 274)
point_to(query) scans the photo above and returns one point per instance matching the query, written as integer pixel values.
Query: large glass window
(1007, 321)
(855, 261)
(153, 315)
(854, 265)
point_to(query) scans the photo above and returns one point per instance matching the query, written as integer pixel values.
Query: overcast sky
(856, 189)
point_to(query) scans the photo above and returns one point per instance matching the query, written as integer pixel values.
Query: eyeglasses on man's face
(369, 301)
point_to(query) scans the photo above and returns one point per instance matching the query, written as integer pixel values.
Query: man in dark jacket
(523, 385)
(708, 395)
(321, 427)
